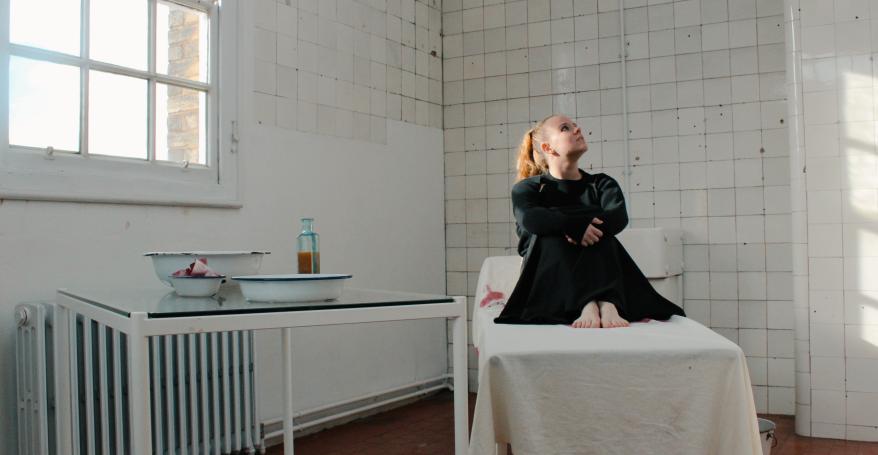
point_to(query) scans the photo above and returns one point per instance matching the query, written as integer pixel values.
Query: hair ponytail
(530, 160)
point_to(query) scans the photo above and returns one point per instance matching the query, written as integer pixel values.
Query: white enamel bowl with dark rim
(293, 287)
(196, 286)
(226, 263)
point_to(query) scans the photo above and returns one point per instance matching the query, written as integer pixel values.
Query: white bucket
(766, 435)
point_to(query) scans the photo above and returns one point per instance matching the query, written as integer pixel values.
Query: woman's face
(564, 137)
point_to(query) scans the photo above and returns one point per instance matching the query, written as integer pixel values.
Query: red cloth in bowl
(197, 268)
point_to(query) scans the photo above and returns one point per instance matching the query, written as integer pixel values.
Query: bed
(673, 387)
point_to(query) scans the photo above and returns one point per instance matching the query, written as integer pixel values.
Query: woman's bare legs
(590, 317)
(610, 316)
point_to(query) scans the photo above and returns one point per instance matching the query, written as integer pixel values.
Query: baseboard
(313, 422)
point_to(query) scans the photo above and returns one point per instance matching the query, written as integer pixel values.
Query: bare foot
(590, 317)
(610, 316)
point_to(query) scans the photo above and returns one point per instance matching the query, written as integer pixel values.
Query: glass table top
(165, 303)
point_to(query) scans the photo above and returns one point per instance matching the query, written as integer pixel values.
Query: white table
(143, 314)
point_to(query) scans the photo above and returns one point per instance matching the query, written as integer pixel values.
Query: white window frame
(42, 174)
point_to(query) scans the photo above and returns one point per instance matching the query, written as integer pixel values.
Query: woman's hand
(591, 236)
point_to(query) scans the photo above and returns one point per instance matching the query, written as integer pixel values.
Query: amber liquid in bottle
(305, 262)
(308, 248)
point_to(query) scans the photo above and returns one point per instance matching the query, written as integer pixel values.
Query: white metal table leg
(139, 392)
(287, 340)
(63, 393)
(501, 448)
(461, 413)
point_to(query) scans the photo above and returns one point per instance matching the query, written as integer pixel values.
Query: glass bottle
(309, 248)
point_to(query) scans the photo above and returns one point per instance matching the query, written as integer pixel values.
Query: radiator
(32, 347)
(203, 389)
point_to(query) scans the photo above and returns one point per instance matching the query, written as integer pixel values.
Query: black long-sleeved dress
(558, 278)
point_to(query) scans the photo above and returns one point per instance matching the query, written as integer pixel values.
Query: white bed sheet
(672, 387)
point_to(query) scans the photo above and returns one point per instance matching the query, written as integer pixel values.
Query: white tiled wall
(831, 67)
(708, 143)
(707, 118)
(342, 67)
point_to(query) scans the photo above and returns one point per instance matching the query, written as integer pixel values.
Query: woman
(574, 271)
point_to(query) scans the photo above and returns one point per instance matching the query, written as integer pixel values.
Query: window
(129, 101)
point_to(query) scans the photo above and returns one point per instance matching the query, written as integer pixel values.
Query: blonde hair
(530, 159)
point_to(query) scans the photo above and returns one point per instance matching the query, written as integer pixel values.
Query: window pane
(43, 104)
(119, 32)
(117, 115)
(180, 124)
(181, 42)
(48, 24)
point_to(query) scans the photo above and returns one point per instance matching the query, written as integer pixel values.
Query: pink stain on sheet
(490, 297)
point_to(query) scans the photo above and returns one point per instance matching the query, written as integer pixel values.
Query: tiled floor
(426, 427)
